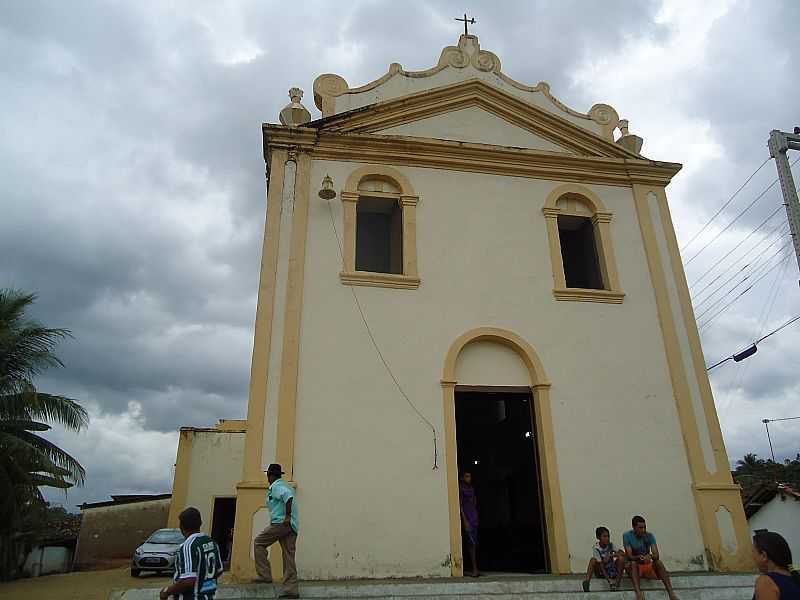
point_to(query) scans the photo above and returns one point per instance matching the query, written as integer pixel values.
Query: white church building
(460, 272)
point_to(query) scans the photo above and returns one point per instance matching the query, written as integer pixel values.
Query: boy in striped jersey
(198, 563)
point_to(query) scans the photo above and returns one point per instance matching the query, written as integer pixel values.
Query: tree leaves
(27, 460)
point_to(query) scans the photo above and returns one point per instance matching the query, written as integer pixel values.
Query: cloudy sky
(132, 186)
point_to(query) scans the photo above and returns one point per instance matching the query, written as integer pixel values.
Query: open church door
(496, 443)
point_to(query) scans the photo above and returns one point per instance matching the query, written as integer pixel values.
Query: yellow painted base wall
(209, 465)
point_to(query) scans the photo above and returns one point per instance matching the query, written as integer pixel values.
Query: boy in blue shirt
(606, 561)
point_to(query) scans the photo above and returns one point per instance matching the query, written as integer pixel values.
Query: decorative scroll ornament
(486, 61)
(455, 57)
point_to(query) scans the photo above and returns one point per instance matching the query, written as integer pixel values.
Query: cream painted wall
(371, 503)
(476, 125)
(215, 468)
(490, 363)
(782, 516)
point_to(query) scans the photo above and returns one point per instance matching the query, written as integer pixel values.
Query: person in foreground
(282, 529)
(643, 562)
(773, 557)
(469, 518)
(198, 563)
(606, 562)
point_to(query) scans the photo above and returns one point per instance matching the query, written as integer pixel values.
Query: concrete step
(687, 587)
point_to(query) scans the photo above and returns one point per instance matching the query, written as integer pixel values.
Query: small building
(776, 507)
(54, 549)
(111, 530)
(207, 469)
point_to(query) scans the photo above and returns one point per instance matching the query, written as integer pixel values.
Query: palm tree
(27, 460)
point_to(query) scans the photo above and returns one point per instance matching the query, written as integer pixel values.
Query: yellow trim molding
(251, 491)
(477, 93)
(386, 280)
(287, 395)
(557, 547)
(180, 483)
(715, 491)
(601, 220)
(470, 157)
(407, 200)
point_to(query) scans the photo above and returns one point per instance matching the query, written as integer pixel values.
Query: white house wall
(782, 516)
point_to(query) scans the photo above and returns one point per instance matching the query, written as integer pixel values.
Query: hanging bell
(327, 192)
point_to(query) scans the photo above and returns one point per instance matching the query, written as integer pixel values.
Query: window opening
(579, 252)
(379, 235)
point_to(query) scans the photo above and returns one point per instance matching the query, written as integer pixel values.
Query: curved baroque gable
(333, 95)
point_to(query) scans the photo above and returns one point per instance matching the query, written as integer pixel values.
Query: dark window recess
(579, 253)
(379, 236)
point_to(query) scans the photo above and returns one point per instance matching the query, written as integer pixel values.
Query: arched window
(581, 249)
(379, 229)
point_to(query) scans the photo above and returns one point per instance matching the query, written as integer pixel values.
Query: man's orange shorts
(646, 571)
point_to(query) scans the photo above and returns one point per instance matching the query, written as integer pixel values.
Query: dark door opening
(222, 528)
(496, 441)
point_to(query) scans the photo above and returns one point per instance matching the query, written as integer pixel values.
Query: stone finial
(627, 140)
(294, 114)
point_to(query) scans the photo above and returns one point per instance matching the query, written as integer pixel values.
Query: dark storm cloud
(132, 180)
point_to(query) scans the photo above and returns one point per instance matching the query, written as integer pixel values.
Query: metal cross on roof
(466, 21)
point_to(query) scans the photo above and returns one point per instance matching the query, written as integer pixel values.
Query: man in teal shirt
(643, 561)
(282, 529)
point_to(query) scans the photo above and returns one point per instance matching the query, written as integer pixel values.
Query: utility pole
(779, 144)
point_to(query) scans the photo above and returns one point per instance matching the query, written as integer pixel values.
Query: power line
(724, 206)
(736, 218)
(737, 246)
(750, 287)
(754, 345)
(763, 251)
(743, 280)
(754, 269)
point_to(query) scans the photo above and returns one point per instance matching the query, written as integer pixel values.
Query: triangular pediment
(476, 112)
(476, 125)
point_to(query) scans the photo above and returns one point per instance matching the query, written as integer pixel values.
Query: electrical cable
(724, 206)
(782, 226)
(753, 271)
(732, 250)
(750, 287)
(758, 341)
(378, 350)
(773, 295)
(737, 217)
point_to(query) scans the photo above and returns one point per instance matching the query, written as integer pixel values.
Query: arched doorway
(536, 391)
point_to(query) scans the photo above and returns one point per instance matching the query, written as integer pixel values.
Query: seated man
(605, 561)
(641, 553)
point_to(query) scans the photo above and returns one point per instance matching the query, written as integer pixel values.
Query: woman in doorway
(469, 517)
(773, 557)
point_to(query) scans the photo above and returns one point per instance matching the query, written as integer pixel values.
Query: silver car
(157, 553)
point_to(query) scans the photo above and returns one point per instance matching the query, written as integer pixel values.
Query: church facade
(461, 273)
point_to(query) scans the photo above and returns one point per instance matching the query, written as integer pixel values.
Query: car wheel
(135, 572)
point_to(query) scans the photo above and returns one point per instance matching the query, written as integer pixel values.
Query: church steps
(687, 586)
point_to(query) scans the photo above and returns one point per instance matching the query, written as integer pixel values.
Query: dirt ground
(84, 585)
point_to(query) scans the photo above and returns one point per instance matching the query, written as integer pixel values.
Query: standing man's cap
(275, 469)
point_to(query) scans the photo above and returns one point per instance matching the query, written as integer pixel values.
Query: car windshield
(166, 536)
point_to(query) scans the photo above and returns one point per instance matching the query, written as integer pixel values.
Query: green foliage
(752, 471)
(27, 460)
